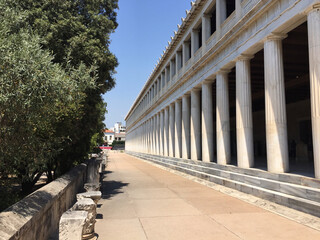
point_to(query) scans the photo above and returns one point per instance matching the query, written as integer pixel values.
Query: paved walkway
(141, 201)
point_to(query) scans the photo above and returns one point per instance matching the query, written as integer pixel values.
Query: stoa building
(235, 99)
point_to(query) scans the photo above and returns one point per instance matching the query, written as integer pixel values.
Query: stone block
(71, 225)
(89, 187)
(88, 205)
(93, 175)
(293, 190)
(94, 195)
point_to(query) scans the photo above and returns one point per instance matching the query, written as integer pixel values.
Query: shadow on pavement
(111, 188)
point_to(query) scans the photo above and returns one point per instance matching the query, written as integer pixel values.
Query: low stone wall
(37, 215)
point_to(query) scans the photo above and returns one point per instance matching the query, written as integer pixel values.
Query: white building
(118, 128)
(109, 136)
(238, 84)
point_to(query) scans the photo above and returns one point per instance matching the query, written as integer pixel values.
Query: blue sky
(145, 27)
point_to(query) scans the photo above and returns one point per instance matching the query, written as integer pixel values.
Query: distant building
(118, 128)
(108, 136)
(120, 136)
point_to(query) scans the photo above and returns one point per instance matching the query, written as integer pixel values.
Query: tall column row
(186, 128)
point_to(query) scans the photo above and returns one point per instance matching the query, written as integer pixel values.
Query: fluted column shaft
(166, 132)
(151, 135)
(314, 64)
(223, 119)
(185, 135)
(155, 134)
(195, 125)
(148, 136)
(177, 129)
(161, 132)
(144, 137)
(275, 104)
(244, 113)
(207, 123)
(171, 130)
(158, 134)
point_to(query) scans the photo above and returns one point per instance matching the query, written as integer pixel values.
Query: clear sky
(145, 27)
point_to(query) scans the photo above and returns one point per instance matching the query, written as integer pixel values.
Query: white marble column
(148, 136)
(194, 41)
(221, 14)
(167, 75)
(172, 69)
(186, 52)
(314, 64)
(195, 125)
(178, 61)
(223, 119)
(151, 135)
(185, 135)
(238, 9)
(161, 132)
(166, 132)
(207, 122)
(155, 134)
(145, 147)
(158, 134)
(163, 80)
(245, 153)
(275, 105)
(206, 28)
(171, 130)
(143, 137)
(177, 129)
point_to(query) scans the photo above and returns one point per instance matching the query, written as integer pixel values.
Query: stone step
(293, 195)
(283, 187)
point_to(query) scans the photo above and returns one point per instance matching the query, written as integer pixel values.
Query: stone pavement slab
(141, 201)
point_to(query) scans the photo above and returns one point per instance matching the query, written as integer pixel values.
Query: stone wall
(37, 215)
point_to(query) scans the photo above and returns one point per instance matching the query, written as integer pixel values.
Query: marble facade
(201, 100)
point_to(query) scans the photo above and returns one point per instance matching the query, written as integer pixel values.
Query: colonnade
(185, 128)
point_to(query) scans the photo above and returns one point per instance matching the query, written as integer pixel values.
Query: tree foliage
(45, 100)
(77, 31)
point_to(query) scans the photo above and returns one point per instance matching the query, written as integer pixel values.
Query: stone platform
(141, 201)
(294, 191)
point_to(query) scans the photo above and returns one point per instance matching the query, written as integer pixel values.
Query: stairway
(294, 191)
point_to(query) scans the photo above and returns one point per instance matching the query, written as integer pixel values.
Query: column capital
(178, 100)
(244, 57)
(275, 36)
(207, 81)
(196, 89)
(315, 7)
(223, 71)
(207, 15)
